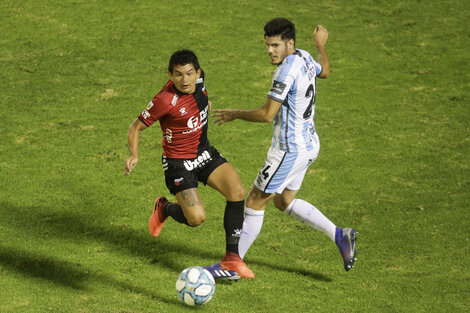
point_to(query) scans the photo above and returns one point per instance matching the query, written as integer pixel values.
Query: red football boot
(232, 262)
(158, 217)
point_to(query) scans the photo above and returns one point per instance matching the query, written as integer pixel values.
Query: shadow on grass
(69, 224)
(295, 270)
(64, 273)
(59, 272)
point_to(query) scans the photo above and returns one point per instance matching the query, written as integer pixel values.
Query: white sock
(310, 215)
(251, 228)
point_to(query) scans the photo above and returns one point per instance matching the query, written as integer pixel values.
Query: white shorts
(283, 169)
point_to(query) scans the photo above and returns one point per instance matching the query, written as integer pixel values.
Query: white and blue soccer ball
(195, 286)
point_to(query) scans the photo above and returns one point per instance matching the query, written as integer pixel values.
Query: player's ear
(198, 73)
(171, 76)
(290, 43)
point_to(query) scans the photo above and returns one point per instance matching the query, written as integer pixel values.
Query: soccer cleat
(158, 217)
(220, 274)
(346, 241)
(232, 262)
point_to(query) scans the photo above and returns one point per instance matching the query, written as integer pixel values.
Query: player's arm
(265, 113)
(320, 36)
(133, 136)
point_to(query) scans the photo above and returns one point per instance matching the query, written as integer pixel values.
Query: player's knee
(257, 200)
(195, 223)
(196, 219)
(237, 194)
(240, 193)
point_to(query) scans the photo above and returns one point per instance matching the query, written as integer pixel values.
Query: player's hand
(129, 164)
(210, 105)
(320, 36)
(223, 116)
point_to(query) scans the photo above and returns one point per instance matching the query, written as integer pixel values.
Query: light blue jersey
(294, 86)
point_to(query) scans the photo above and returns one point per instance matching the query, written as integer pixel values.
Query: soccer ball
(195, 286)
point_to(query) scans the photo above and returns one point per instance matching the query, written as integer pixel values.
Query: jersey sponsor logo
(198, 162)
(203, 114)
(196, 128)
(175, 99)
(168, 135)
(193, 121)
(311, 72)
(278, 87)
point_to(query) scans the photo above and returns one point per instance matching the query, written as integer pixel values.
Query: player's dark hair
(183, 57)
(280, 27)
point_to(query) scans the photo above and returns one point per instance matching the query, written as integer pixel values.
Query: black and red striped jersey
(183, 120)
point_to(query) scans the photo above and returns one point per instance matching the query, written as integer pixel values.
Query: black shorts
(182, 174)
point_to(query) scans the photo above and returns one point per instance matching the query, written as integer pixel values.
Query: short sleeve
(155, 110)
(318, 67)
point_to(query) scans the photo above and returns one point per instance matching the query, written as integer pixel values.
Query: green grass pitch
(393, 120)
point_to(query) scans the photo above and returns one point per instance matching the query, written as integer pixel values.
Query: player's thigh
(284, 199)
(278, 169)
(177, 177)
(257, 199)
(225, 180)
(192, 206)
(296, 176)
(291, 175)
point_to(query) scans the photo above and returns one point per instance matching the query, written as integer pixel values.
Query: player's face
(184, 77)
(278, 49)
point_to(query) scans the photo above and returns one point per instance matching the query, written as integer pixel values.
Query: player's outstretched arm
(133, 145)
(265, 113)
(320, 36)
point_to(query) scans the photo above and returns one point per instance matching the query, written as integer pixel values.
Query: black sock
(174, 210)
(233, 224)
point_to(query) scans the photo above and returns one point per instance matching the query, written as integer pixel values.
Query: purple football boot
(220, 274)
(346, 241)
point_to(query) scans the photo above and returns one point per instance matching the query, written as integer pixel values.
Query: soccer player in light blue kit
(290, 105)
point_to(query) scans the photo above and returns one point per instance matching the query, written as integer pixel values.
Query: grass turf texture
(393, 120)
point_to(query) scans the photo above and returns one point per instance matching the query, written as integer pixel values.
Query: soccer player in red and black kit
(182, 109)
